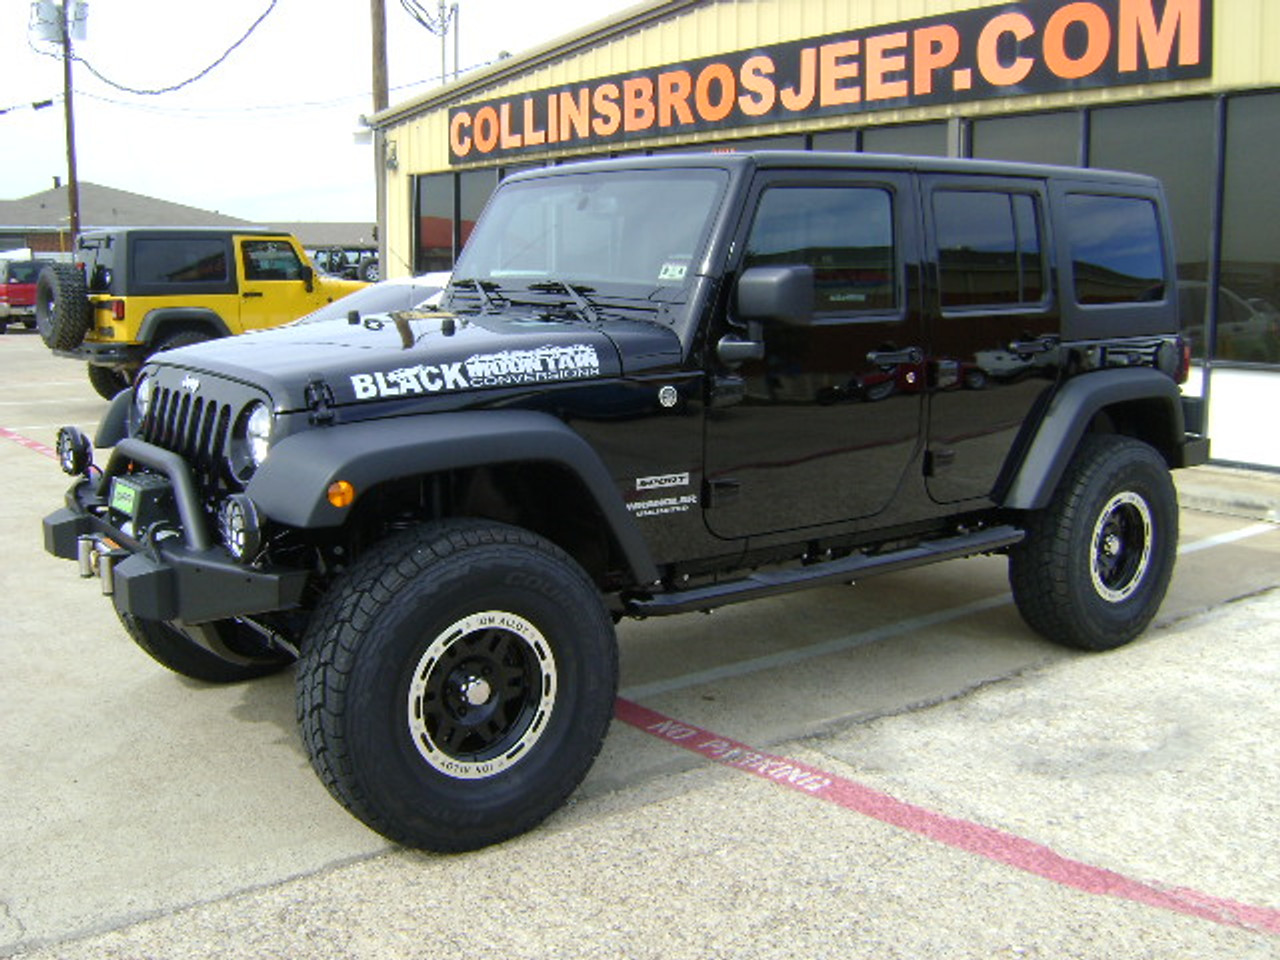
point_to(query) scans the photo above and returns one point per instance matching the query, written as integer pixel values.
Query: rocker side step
(774, 582)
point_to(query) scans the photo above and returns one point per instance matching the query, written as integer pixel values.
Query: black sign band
(1038, 46)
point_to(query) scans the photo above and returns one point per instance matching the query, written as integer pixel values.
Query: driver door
(822, 429)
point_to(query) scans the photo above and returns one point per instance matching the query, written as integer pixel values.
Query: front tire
(1096, 563)
(183, 338)
(457, 685)
(107, 381)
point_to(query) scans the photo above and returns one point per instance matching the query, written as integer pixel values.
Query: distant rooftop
(46, 212)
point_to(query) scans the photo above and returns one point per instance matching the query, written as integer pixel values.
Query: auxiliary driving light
(239, 527)
(75, 452)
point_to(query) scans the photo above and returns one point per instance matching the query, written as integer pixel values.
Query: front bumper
(166, 578)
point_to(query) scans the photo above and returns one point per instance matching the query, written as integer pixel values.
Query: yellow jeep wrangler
(134, 291)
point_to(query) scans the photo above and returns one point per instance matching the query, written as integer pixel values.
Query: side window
(179, 260)
(989, 248)
(844, 233)
(1116, 252)
(270, 260)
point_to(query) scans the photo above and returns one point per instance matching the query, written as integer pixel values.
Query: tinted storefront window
(1249, 324)
(919, 139)
(1172, 141)
(1039, 138)
(435, 223)
(837, 140)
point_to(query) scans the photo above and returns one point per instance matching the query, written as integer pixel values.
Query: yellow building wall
(1244, 57)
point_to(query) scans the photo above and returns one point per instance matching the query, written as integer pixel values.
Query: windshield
(627, 233)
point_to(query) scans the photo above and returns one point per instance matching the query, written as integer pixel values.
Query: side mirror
(785, 294)
(309, 277)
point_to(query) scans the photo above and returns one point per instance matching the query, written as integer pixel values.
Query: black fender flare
(115, 423)
(155, 321)
(291, 487)
(1069, 414)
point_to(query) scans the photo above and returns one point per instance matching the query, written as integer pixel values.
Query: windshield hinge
(319, 400)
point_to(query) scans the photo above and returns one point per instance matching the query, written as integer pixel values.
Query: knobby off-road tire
(457, 684)
(62, 306)
(244, 657)
(107, 381)
(1096, 563)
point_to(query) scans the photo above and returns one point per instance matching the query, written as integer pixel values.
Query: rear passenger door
(994, 328)
(823, 428)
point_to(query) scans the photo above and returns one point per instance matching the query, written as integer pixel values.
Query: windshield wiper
(583, 305)
(488, 304)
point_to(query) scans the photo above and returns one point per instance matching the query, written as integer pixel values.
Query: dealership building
(1186, 90)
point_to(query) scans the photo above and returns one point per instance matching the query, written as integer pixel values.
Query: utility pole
(378, 13)
(378, 8)
(73, 182)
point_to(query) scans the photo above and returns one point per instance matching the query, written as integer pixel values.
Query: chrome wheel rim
(1121, 547)
(481, 695)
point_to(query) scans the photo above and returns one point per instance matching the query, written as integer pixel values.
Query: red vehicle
(18, 291)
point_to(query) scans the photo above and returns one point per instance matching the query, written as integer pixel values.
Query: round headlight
(251, 440)
(258, 433)
(143, 388)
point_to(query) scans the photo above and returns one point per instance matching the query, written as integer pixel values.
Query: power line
(260, 108)
(35, 105)
(177, 86)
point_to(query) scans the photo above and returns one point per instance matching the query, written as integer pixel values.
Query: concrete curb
(1251, 494)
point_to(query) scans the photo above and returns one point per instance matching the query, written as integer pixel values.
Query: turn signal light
(341, 494)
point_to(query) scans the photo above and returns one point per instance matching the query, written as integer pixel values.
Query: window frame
(247, 259)
(903, 212)
(1031, 187)
(139, 283)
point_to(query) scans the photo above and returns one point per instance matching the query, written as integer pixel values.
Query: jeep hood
(421, 354)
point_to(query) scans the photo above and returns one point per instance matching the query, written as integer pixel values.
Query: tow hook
(98, 557)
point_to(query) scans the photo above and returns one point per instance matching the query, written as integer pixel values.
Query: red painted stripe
(997, 845)
(37, 446)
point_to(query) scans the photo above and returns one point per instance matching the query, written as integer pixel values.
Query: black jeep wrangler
(654, 385)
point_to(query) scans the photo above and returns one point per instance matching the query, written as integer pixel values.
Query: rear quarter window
(179, 261)
(1116, 251)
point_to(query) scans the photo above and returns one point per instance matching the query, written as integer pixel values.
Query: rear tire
(62, 306)
(242, 656)
(457, 684)
(1095, 565)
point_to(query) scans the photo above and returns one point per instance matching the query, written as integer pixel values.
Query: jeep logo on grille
(190, 383)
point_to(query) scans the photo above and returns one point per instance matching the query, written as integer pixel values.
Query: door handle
(251, 293)
(1026, 348)
(889, 358)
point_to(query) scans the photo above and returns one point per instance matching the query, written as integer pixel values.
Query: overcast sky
(268, 135)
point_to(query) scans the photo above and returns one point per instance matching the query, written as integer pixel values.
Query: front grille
(193, 427)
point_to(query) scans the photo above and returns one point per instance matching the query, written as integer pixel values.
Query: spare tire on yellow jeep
(62, 306)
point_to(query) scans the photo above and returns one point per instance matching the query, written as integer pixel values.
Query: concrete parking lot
(899, 769)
